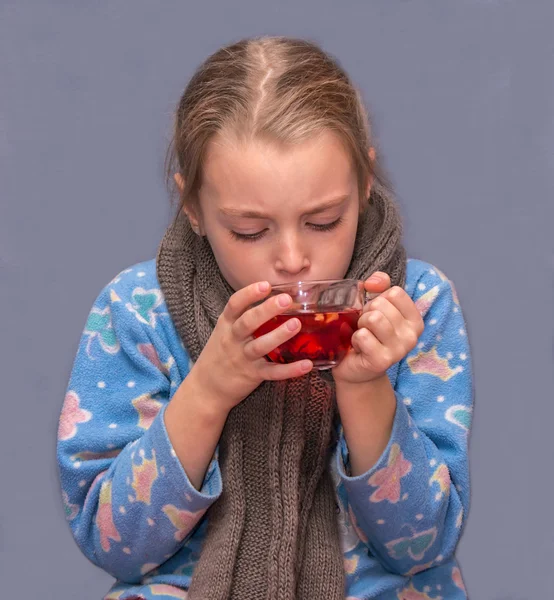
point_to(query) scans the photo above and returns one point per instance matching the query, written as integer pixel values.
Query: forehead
(258, 169)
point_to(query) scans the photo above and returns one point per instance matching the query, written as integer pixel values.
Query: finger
(263, 345)
(245, 326)
(276, 372)
(370, 349)
(399, 298)
(378, 324)
(365, 342)
(385, 306)
(378, 282)
(244, 298)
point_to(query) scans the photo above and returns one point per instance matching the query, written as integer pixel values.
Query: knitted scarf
(272, 534)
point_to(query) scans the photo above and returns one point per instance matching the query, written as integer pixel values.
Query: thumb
(378, 282)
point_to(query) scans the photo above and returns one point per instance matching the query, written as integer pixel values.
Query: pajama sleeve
(410, 507)
(129, 503)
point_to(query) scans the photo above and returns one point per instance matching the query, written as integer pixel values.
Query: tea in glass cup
(328, 311)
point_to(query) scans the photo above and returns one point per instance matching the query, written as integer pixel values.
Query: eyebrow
(252, 214)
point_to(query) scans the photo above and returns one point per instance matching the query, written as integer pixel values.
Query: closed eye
(253, 237)
(248, 237)
(325, 226)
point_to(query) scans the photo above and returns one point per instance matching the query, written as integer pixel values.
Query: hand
(388, 330)
(233, 364)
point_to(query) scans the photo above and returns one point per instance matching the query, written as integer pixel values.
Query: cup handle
(368, 297)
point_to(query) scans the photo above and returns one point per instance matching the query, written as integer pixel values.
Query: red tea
(324, 338)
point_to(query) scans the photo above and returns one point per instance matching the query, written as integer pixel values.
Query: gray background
(462, 96)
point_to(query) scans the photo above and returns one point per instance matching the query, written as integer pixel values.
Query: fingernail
(306, 365)
(284, 300)
(264, 286)
(292, 324)
(375, 279)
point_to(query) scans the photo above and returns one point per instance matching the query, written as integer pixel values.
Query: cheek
(333, 252)
(239, 263)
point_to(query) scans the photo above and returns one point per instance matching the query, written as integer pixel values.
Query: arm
(128, 499)
(409, 506)
(205, 422)
(367, 412)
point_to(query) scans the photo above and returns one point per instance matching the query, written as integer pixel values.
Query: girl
(192, 467)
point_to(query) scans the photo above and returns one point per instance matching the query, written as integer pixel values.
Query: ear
(194, 219)
(372, 155)
(179, 182)
(191, 213)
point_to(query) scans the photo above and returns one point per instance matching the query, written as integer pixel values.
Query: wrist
(194, 422)
(203, 397)
(373, 388)
(367, 411)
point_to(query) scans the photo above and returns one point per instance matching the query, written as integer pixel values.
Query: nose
(292, 257)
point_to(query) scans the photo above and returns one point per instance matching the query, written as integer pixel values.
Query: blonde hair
(280, 89)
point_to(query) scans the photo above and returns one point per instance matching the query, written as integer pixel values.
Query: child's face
(279, 214)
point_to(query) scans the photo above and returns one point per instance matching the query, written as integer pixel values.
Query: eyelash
(253, 237)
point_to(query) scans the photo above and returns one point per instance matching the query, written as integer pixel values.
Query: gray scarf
(272, 535)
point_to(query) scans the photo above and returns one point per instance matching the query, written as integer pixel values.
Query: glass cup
(328, 311)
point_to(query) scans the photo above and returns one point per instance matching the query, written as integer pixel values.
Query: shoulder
(428, 285)
(133, 298)
(140, 275)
